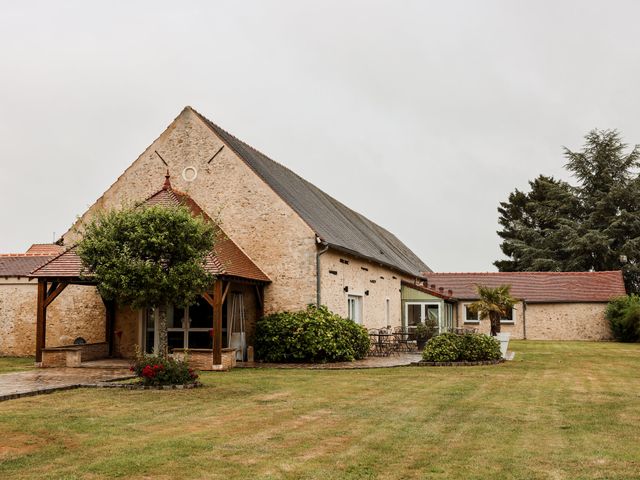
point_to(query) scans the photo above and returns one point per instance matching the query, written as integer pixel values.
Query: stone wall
(77, 312)
(336, 274)
(552, 321)
(567, 321)
(251, 214)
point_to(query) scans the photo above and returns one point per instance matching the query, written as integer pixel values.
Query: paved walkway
(46, 380)
(400, 360)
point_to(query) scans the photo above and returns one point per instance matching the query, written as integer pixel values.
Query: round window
(189, 174)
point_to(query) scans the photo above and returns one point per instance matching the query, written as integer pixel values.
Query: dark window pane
(200, 340)
(471, 316)
(201, 314)
(176, 321)
(175, 340)
(508, 317)
(413, 314)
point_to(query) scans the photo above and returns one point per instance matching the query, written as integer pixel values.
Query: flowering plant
(156, 370)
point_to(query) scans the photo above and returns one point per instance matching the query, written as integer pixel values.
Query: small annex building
(552, 305)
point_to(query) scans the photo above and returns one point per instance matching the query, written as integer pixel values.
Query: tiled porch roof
(227, 259)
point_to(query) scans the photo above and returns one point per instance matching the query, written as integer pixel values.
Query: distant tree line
(593, 225)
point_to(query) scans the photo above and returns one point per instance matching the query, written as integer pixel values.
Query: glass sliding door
(186, 327)
(420, 312)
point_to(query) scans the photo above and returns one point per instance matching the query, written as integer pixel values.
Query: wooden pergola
(227, 263)
(49, 287)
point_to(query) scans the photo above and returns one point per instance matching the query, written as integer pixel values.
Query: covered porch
(215, 332)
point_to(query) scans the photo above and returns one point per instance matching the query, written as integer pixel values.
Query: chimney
(433, 286)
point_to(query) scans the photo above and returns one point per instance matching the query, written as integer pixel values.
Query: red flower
(148, 372)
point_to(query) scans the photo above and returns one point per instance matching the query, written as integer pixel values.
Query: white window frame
(423, 312)
(464, 316)
(359, 307)
(477, 322)
(513, 318)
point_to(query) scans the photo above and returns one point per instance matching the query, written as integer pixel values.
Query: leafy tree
(149, 257)
(593, 225)
(495, 302)
(535, 226)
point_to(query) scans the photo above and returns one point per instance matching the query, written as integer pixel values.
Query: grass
(15, 364)
(559, 411)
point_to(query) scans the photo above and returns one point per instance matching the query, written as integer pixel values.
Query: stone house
(309, 247)
(286, 244)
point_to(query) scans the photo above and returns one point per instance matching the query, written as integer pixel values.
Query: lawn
(559, 410)
(15, 364)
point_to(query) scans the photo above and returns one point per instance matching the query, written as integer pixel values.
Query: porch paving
(400, 360)
(47, 380)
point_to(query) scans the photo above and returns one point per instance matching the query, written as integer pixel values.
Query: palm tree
(494, 303)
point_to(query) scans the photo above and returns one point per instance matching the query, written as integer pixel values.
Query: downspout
(524, 319)
(320, 252)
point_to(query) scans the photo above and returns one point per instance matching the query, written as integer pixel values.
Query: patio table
(380, 343)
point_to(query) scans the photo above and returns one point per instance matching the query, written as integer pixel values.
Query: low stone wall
(202, 359)
(73, 355)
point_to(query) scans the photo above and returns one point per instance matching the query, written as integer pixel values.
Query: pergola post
(41, 319)
(46, 294)
(217, 322)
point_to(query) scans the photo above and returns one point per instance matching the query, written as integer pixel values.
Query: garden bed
(140, 386)
(456, 364)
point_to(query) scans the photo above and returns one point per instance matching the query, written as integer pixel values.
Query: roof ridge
(28, 254)
(526, 273)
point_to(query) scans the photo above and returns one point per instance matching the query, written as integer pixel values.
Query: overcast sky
(420, 115)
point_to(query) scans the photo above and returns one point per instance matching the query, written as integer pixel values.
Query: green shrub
(623, 314)
(451, 347)
(477, 347)
(311, 335)
(443, 348)
(157, 370)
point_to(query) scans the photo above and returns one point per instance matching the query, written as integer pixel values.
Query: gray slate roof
(334, 222)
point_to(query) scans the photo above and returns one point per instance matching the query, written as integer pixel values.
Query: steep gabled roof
(227, 258)
(535, 287)
(332, 221)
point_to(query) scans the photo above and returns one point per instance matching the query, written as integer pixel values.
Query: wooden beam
(54, 292)
(217, 322)
(208, 298)
(260, 299)
(41, 319)
(226, 290)
(260, 294)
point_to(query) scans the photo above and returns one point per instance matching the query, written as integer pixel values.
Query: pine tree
(593, 225)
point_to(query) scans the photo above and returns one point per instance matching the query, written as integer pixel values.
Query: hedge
(451, 347)
(313, 335)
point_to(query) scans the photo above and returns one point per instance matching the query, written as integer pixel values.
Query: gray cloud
(420, 115)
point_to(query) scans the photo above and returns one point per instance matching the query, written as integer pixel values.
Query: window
(387, 312)
(509, 318)
(470, 317)
(420, 312)
(354, 308)
(186, 328)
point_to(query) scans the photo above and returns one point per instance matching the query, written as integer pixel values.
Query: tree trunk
(162, 331)
(495, 323)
